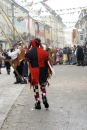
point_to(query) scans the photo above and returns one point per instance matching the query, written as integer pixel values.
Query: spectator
(85, 41)
(1, 58)
(80, 56)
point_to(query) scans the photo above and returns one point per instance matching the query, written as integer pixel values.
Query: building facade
(6, 5)
(14, 11)
(40, 31)
(81, 26)
(47, 35)
(56, 32)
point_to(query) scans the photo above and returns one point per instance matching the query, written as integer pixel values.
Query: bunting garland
(55, 22)
(70, 13)
(69, 9)
(59, 10)
(38, 12)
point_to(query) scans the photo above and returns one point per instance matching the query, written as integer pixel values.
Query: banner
(30, 3)
(38, 12)
(19, 19)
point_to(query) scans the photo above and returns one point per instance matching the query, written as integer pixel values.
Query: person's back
(37, 57)
(40, 69)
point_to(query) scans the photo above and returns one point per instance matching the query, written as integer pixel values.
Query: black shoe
(0, 73)
(78, 65)
(23, 82)
(8, 73)
(82, 64)
(45, 102)
(17, 82)
(37, 105)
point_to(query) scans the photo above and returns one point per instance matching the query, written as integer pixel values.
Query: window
(86, 28)
(81, 36)
(0, 45)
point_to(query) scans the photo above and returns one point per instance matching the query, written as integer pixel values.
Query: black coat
(80, 54)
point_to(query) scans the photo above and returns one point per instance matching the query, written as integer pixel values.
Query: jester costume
(39, 69)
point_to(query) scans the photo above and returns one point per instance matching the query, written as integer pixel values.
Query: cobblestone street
(67, 97)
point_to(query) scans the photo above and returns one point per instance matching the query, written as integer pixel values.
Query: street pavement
(8, 93)
(67, 97)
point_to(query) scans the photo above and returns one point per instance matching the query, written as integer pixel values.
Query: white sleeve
(75, 52)
(14, 54)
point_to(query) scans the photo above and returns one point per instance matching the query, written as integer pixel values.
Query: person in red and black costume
(39, 70)
(33, 44)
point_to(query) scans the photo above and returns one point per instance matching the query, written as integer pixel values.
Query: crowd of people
(76, 55)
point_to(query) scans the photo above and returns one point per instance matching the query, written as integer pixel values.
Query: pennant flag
(30, 3)
(38, 12)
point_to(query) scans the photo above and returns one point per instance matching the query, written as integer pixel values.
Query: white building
(14, 11)
(68, 38)
(81, 26)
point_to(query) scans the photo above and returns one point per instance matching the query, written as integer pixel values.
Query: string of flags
(38, 12)
(55, 22)
(69, 9)
(59, 10)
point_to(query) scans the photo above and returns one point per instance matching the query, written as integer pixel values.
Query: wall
(56, 35)
(32, 27)
(47, 35)
(39, 31)
(6, 5)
